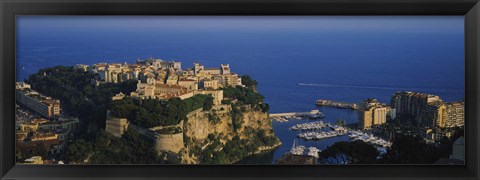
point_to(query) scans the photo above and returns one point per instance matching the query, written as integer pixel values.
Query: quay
(309, 126)
(321, 135)
(330, 103)
(313, 114)
(369, 138)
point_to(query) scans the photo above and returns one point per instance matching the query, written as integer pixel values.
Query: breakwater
(337, 104)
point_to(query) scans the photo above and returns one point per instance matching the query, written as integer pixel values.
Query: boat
(313, 151)
(369, 138)
(308, 126)
(297, 149)
(320, 135)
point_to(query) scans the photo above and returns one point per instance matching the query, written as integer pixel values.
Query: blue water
(341, 64)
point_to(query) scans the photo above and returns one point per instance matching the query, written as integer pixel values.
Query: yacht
(297, 149)
(313, 151)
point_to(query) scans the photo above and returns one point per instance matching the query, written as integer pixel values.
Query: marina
(297, 149)
(309, 126)
(313, 151)
(369, 138)
(321, 135)
(317, 125)
(300, 150)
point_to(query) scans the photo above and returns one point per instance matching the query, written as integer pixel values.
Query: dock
(311, 114)
(284, 117)
(337, 104)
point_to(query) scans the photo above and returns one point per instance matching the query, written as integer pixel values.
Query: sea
(293, 66)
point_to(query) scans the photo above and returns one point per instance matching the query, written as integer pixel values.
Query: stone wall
(169, 142)
(116, 126)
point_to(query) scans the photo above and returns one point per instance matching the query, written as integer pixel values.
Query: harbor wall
(282, 114)
(169, 142)
(309, 113)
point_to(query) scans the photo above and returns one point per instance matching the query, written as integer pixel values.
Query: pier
(337, 104)
(312, 113)
(309, 126)
(319, 135)
(369, 138)
(283, 117)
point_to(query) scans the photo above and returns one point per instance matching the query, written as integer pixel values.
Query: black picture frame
(11, 8)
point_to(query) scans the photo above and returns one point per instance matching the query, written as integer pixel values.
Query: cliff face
(203, 126)
(256, 120)
(199, 125)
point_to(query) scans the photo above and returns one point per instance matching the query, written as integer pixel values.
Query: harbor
(309, 126)
(300, 150)
(317, 131)
(320, 135)
(298, 155)
(317, 134)
(369, 138)
(312, 132)
(337, 104)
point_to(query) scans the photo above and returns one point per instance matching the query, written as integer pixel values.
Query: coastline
(260, 150)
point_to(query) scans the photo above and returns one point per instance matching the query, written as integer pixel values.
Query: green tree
(356, 152)
(208, 103)
(39, 149)
(248, 81)
(407, 149)
(131, 148)
(78, 151)
(243, 95)
(102, 140)
(78, 96)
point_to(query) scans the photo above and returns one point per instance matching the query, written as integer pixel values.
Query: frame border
(11, 8)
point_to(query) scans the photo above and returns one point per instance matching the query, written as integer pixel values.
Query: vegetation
(240, 98)
(65, 83)
(232, 151)
(356, 152)
(170, 130)
(213, 119)
(78, 151)
(236, 148)
(237, 116)
(78, 96)
(153, 112)
(245, 96)
(38, 149)
(131, 148)
(248, 81)
(408, 149)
